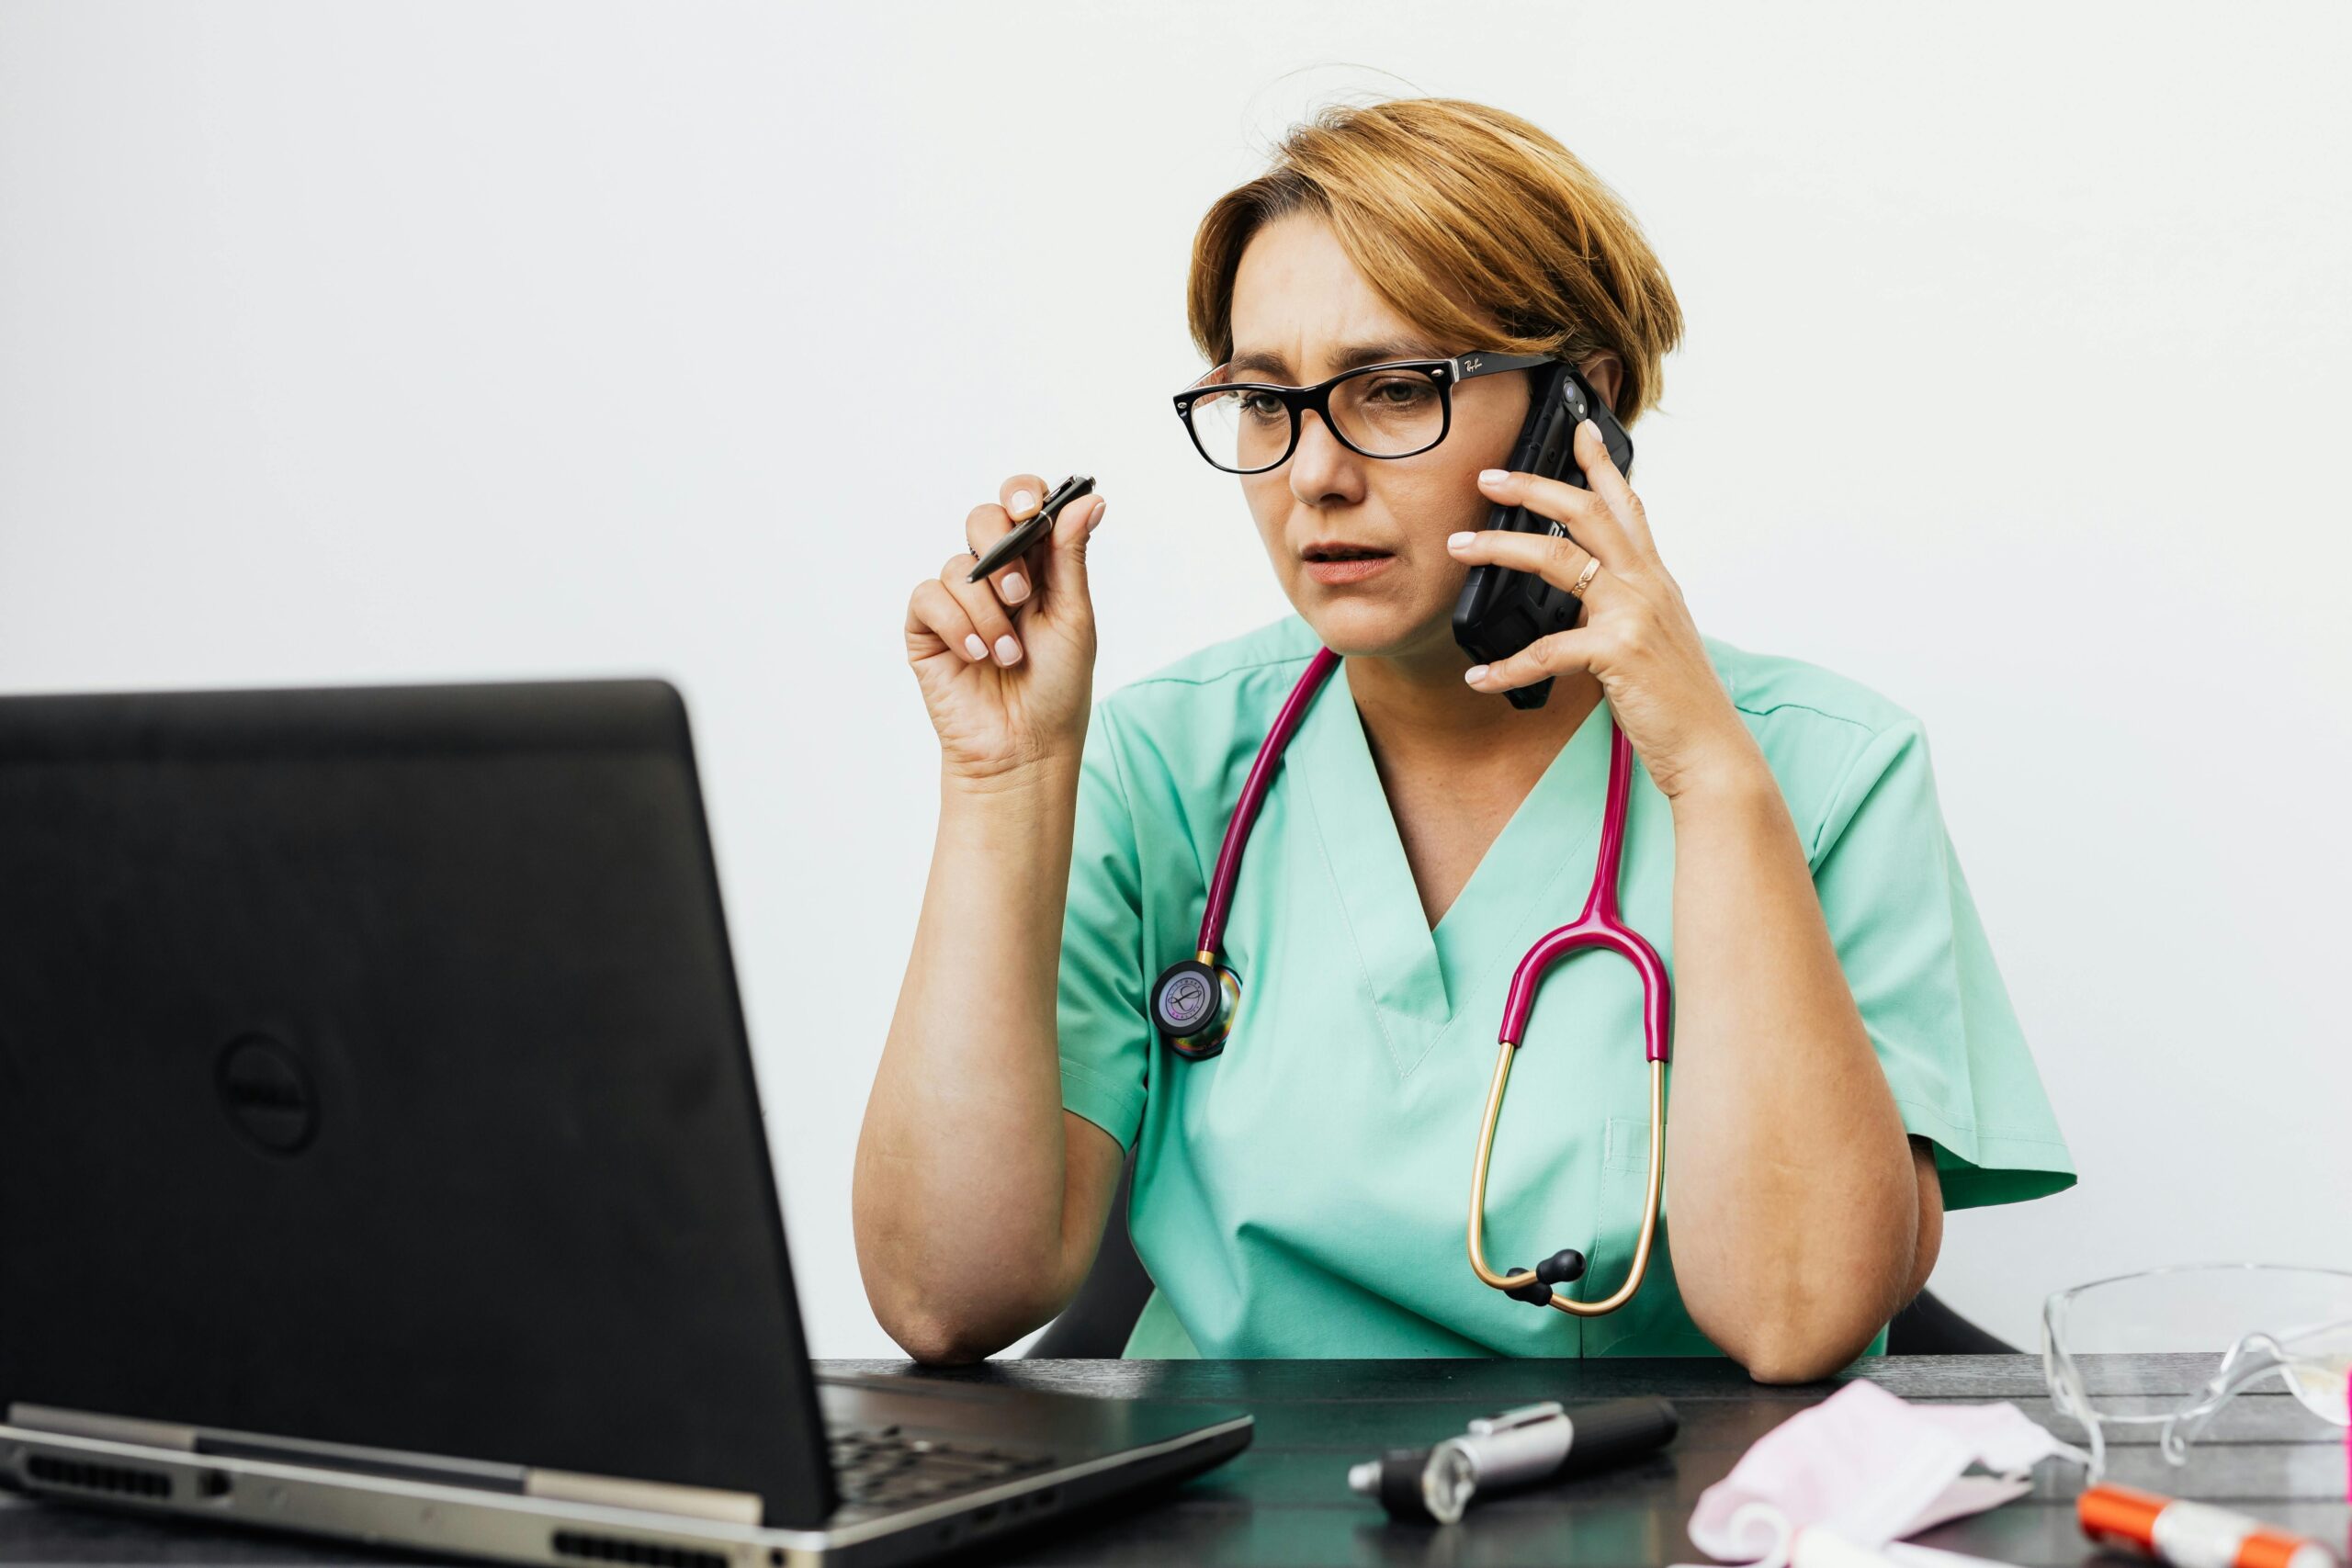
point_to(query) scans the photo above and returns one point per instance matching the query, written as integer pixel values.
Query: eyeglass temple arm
(2252, 1359)
(1467, 366)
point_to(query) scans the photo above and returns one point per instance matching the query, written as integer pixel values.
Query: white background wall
(392, 341)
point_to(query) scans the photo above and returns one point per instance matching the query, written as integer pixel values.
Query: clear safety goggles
(2228, 1326)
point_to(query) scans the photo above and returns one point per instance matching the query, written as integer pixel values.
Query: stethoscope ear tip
(1565, 1267)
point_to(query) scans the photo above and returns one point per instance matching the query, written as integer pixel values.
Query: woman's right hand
(1023, 697)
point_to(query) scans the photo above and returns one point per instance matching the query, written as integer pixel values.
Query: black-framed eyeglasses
(1395, 408)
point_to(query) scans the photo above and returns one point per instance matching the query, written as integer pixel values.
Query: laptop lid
(372, 1072)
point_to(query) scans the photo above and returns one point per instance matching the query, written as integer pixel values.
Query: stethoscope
(1193, 1001)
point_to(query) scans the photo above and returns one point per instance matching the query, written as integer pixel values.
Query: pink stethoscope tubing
(1599, 925)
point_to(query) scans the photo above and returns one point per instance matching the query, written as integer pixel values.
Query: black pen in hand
(1532, 1444)
(1030, 531)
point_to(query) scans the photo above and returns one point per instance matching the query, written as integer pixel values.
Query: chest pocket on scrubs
(1653, 1322)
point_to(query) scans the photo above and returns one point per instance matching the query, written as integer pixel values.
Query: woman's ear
(1604, 370)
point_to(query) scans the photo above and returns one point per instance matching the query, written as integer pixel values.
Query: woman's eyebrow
(1262, 362)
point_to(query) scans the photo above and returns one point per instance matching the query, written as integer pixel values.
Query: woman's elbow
(932, 1326)
(938, 1328)
(949, 1326)
(1787, 1358)
(1794, 1335)
(938, 1340)
(968, 1320)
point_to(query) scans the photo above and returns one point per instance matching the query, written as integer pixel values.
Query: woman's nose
(1321, 465)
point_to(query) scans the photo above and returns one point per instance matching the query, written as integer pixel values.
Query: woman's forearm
(1796, 1213)
(969, 1231)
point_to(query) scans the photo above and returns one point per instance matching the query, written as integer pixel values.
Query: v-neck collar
(1419, 978)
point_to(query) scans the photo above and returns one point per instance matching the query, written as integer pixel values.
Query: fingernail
(1587, 427)
(1021, 504)
(1095, 516)
(1007, 650)
(1493, 476)
(979, 648)
(1016, 589)
(1475, 673)
(1459, 541)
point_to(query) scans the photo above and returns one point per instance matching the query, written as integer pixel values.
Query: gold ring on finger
(1584, 577)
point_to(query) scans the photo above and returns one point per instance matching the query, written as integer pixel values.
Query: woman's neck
(1416, 709)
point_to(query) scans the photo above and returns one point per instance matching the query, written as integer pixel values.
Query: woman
(1845, 1066)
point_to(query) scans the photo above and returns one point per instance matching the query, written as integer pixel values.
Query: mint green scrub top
(1306, 1193)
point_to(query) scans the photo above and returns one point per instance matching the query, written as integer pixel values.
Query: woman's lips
(1337, 572)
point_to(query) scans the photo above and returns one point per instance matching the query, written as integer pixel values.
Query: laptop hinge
(555, 1485)
(208, 1441)
(653, 1496)
(105, 1428)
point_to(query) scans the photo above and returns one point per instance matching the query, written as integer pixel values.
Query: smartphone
(1501, 611)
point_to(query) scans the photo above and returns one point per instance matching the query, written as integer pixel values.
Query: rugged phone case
(1501, 611)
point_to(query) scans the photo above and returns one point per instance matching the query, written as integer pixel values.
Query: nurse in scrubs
(1845, 1066)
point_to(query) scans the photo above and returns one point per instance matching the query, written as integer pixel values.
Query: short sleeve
(1922, 974)
(1103, 1030)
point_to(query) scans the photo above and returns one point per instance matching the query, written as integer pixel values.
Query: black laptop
(379, 1154)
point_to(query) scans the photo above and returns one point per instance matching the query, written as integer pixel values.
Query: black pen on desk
(1033, 530)
(1525, 1447)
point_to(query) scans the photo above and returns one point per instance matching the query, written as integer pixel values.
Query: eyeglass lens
(1385, 413)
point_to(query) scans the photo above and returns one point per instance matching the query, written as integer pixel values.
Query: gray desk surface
(1285, 1502)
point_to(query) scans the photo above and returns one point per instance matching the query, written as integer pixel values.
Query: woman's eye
(1411, 392)
(1262, 405)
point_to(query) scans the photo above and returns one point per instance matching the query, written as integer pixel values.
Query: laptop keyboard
(882, 1467)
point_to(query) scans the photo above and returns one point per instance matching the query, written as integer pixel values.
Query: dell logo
(268, 1094)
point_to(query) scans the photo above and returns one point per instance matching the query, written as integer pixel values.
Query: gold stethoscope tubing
(1624, 1293)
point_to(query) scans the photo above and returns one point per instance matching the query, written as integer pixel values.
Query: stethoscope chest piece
(1192, 1003)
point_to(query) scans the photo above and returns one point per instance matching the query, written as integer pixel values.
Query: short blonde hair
(1449, 207)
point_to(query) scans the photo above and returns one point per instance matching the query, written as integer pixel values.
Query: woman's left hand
(1637, 635)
